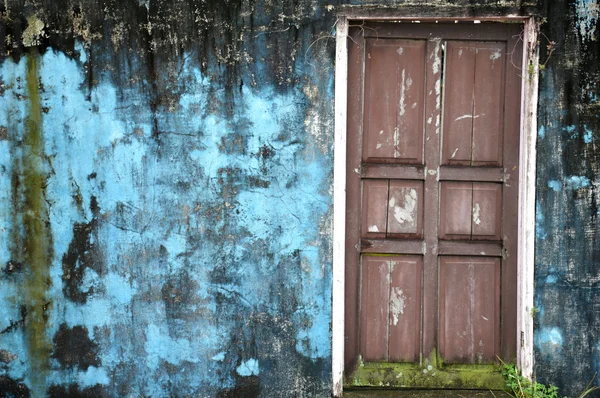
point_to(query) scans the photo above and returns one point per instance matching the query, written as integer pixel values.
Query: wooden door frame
(526, 217)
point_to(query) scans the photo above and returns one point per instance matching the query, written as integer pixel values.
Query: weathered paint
(185, 248)
(165, 196)
(567, 272)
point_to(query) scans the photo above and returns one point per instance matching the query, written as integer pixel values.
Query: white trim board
(527, 163)
(526, 222)
(339, 205)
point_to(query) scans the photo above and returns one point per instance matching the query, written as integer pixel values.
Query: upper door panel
(394, 106)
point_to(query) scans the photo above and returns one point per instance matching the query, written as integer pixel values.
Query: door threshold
(413, 393)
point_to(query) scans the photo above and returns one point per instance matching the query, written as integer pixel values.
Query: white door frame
(526, 222)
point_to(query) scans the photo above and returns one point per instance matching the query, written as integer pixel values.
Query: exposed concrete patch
(34, 32)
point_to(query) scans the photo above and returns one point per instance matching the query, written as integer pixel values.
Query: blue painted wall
(178, 214)
(165, 196)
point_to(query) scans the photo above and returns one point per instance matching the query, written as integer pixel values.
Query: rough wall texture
(165, 179)
(567, 334)
(165, 196)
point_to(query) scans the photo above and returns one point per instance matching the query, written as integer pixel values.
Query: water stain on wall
(10, 388)
(73, 348)
(170, 195)
(82, 255)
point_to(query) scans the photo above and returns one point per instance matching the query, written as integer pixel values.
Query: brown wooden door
(432, 192)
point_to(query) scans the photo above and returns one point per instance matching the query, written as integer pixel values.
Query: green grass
(521, 387)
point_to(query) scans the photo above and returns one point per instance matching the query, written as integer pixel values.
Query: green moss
(37, 246)
(432, 374)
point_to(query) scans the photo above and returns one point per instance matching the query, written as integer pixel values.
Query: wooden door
(432, 193)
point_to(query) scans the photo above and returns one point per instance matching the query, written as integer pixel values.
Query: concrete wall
(567, 274)
(166, 199)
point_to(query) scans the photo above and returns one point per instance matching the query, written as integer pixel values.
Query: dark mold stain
(7, 356)
(247, 387)
(3, 133)
(266, 152)
(258, 182)
(14, 325)
(73, 348)
(232, 41)
(73, 391)
(568, 246)
(179, 296)
(10, 388)
(12, 267)
(82, 253)
(234, 144)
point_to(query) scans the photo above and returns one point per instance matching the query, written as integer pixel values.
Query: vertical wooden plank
(375, 308)
(488, 104)
(469, 309)
(395, 79)
(405, 209)
(339, 207)
(458, 103)
(510, 193)
(486, 315)
(433, 105)
(374, 208)
(381, 99)
(408, 142)
(353, 221)
(527, 191)
(455, 210)
(487, 211)
(405, 308)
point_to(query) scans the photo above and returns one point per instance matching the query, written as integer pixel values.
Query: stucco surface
(166, 195)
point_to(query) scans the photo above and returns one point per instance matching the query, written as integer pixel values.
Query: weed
(521, 387)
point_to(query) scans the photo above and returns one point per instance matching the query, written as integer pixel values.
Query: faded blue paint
(219, 357)
(577, 182)
(566, 284)
(588, 135)
(556, 186)
(548, 339)
(135, 180)
(587, 18)
(540, 233)
(597, 356)
(571, 130)
(571, 182)
(202, 184)
(248, 368)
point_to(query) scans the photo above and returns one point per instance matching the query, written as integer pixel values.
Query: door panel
(394, 84)
(473, 111)
(488, 109)
(458, 103)
(432, 188)
(487, 211)
(405, 209)
(469, 309)
(391, 308)
(405, 308)
(456, 207)
(375, 308)
(374, 208)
